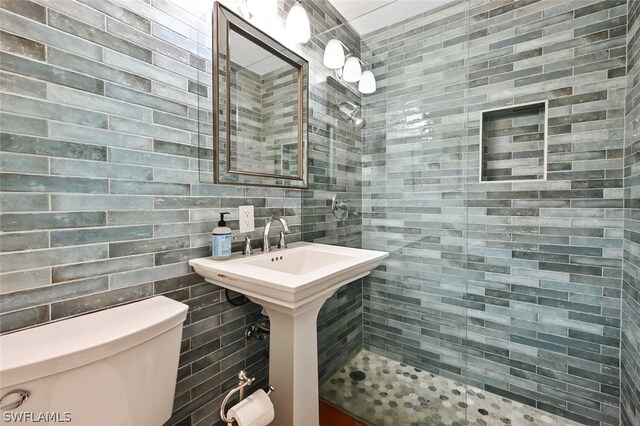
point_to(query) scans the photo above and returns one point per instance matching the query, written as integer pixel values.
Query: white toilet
(113, 367)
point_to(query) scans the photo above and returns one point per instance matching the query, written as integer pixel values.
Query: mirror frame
(225, 20)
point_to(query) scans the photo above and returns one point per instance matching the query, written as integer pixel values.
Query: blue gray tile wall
(511, 286)
(106, 113)
(630, 346)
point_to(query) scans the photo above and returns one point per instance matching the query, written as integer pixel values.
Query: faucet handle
(282, 244)
(247, 250)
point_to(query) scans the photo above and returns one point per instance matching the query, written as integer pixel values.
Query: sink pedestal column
(293, 362)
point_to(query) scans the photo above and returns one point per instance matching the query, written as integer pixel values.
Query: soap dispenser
(221, 240)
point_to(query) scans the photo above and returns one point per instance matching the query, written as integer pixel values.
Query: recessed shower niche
(513, 143)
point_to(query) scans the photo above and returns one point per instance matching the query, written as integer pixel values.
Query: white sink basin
(290, 277)
(299, 261)
(292, 285)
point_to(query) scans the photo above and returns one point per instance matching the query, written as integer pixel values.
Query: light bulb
(333, 55)
(367, 83)
(352, 70)
(297, 24)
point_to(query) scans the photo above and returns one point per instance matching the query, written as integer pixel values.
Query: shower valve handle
(339, 208)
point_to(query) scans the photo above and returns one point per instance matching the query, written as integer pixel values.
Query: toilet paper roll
(254, 410)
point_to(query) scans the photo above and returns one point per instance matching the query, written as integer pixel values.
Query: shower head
(348, 111)
(358, 123)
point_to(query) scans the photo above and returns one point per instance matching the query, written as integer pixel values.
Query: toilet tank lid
(52, 348)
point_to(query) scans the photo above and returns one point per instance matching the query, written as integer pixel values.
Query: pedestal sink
(292, 285)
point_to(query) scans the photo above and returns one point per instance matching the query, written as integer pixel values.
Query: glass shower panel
(543, 264)
(415, 173)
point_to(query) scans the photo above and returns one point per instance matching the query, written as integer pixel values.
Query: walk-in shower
(500, 302)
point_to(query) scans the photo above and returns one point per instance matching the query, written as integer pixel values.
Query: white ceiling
(369, 15)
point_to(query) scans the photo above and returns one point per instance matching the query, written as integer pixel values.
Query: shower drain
(357, 375)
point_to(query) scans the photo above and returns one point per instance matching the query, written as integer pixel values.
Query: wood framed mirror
(260, 103)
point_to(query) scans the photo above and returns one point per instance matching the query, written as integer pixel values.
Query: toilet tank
(113, 367)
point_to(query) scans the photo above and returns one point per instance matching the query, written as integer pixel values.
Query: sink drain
(357, 375)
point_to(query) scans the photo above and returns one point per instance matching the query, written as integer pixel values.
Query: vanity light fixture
(348, 70)
(352, 70)
(367, 84)
(297, 24)
(333, 54)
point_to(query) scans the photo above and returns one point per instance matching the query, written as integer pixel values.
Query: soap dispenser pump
(221, 239)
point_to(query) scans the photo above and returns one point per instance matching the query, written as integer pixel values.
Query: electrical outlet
(247, 222)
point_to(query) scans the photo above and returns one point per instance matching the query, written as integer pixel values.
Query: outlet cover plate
(247, 222)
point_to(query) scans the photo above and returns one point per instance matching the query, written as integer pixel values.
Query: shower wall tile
(106, 113)
(630, 344)
(510, 286)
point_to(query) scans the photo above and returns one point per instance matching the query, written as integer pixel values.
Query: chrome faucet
(265, 238)
(247, 250)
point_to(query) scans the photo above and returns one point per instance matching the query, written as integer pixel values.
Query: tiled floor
(397, 394)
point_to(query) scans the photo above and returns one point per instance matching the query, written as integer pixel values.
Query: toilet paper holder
(243, 381)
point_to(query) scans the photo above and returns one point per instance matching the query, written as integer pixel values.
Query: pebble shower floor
(400, 395)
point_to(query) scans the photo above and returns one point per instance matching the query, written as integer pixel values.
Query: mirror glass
(259, 107)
